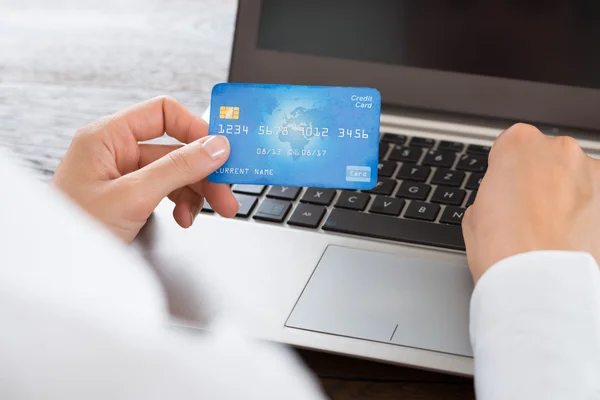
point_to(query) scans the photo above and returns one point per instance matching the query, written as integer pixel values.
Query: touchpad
(414, 302)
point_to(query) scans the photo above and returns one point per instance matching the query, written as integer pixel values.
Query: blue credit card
(289, 135)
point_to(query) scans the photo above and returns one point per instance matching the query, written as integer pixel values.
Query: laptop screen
(547, 41)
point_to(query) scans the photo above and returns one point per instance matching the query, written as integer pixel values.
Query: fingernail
(215, 146)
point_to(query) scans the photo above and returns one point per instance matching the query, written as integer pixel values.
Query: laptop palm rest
(388, 298)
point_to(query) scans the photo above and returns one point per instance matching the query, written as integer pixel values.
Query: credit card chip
(229, 112)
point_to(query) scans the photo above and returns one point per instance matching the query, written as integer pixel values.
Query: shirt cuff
(535, 326)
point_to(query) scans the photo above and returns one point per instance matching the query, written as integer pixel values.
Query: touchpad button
(414, 302)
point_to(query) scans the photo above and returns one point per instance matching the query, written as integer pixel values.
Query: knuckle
(91, 131)
(569, 154)
(83, 134)
(517, 136)
(180, 162)
(167, 98)
(167, 101)
(569, 146)
(521, 133)
(524, 126)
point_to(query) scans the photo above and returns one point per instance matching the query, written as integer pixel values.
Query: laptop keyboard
(423, 189)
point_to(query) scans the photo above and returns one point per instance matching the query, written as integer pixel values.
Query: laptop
(382, 274)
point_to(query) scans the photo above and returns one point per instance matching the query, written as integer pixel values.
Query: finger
(219, 196)
(184, 166)
(595, 159)
(155, 117)
(187, 206)
(174, 196)
(466, 223)
(494, 149)
(515, 128)
(117, 136)
(152, 152)
(471, 248)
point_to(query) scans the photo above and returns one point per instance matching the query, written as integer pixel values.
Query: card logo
(229, 112)
(358, 174)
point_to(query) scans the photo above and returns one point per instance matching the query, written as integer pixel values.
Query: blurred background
(64, 63)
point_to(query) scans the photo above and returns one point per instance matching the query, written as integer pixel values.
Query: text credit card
(287, 135)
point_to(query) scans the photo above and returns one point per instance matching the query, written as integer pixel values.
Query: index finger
(219, 196)
(155, 117)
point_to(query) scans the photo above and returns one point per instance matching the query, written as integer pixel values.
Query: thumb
(181, 167)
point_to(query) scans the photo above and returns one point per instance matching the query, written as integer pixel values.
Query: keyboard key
(247, 203)
(386, 168)
(472, 162)
(352, 200)
(398, 229)
(387, 206)
(456, 147)
(410, 190)
(414, 172)
(474, 181)
(383, 149)
(447, 177)
(422, 142)
(207, 208)
(318, 196)
(424, 211)
(284, 192)
(384, 186)
(273, 210)
(452, 215)
(307, 215)
(477, 149)
(447, 195)
(471, 198)
(249, 189)
(439, 158)
(405, 154)
(394, 138)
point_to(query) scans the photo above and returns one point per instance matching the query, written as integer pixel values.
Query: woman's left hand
(120, 181)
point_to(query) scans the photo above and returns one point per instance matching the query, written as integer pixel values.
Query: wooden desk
(65, 63)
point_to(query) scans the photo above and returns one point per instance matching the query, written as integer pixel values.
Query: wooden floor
(63, 63)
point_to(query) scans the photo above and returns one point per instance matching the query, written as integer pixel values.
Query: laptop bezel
(414, 88)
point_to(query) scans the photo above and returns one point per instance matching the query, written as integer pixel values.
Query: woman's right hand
(120, 181)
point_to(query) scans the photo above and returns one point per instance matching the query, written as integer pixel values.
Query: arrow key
(387, 206)
(307, 215)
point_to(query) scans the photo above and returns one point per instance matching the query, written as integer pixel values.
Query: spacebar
(391, 228)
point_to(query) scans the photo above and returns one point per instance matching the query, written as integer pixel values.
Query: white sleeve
(535, 328)
(83, 317)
